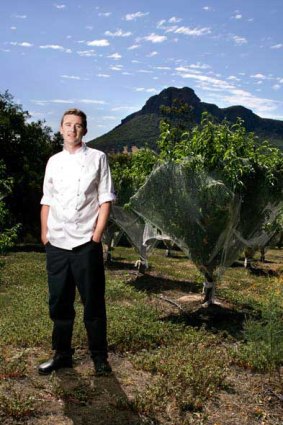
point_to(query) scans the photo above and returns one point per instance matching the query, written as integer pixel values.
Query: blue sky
(109, 57)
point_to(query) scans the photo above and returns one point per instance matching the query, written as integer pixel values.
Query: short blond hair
(78, 113)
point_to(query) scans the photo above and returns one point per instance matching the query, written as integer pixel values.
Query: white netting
(135, 229)
(201, 215)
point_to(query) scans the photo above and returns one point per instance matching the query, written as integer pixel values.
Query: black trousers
(82, 267)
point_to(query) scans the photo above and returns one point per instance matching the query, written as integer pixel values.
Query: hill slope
(142, 127)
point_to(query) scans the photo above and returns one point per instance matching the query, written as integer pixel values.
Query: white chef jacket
(75, 185)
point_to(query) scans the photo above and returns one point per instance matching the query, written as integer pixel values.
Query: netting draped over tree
(215, 192)
(207, 220)
(139, 232)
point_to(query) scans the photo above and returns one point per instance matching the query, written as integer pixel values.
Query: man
(77, 196)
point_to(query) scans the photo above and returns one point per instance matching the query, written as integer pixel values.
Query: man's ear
(85, 131)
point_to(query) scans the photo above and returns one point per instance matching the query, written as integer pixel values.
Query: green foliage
(25, 148)
(223, 148)
(187, 375)
(8, 235)
(15, 404)
(129, 171)
(263, 350)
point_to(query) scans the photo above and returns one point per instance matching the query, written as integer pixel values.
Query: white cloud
(89, 27)
(259, 76)
(134, 16)
(118, 33)
(237, 15)
(163, 25)
(124, 108)
(21, 16)
(13, 28)
(60, 6)
(233, 78)
(91, 101)
(98, 43)
(207, 8)
(163, 68)
(199, 65)
(103, 75)
(86, 53)
(105, 14)
(276, 87)
(55, 47)
(151, 54)
(21, 44)
(47, 102)
(71, 77)
(277, 46)
(134, 46)
(195, 32)
(174, 20)
(239, 40)
(155, 38)
(257, 104)
(229, 93)
(142, 89)
(145, 71)
(68, 101)
(115, 56)
(116, 67)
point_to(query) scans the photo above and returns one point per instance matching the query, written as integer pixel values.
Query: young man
(77, 196)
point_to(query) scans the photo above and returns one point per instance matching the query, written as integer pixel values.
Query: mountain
(142, 127)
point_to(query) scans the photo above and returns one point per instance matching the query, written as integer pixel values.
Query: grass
(187, 355)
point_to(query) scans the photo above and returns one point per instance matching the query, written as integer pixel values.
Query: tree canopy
(25, 148)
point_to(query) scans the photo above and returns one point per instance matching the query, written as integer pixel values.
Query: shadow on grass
(120, 265)
(215, 318)
(37, 247)
(156, 285)
(95, 400)
(257, 271)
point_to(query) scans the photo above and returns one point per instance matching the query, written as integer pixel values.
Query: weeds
(80, 394)
(187, 374)
(14, 367)
(16, 404)
(263, 350)
(187, 365)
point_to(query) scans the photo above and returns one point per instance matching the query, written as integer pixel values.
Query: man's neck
(72, 148)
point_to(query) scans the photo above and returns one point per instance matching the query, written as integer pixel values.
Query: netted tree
(213, 192)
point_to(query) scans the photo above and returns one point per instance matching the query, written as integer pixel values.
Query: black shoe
(56, 363)
(102, 367)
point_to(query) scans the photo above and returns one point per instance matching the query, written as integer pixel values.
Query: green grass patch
(186, 359)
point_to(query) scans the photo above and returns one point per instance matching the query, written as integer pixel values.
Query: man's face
(72, 130)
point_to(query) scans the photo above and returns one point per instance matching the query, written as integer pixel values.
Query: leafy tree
(25, 148)
(129, 171)
(217, 187)
(8, 234)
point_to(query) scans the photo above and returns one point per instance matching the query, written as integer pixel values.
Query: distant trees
(25, 148)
